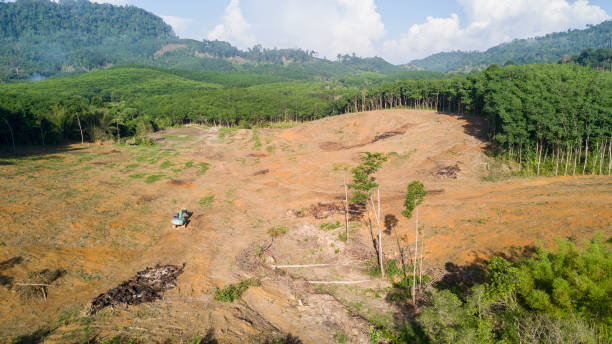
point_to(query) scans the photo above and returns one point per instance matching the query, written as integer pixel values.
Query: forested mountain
(46, 38)
(598, 59)
(40, 36)
(547, 49)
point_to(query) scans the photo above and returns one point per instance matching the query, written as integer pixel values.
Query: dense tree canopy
(546, 49)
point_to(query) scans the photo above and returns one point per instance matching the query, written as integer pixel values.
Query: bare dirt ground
(99, 214)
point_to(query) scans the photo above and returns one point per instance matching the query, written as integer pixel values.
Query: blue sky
(399, 31)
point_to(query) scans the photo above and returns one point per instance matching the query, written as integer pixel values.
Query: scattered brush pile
(37, 283)
(147, 286)
(322, 210)
(448, 171)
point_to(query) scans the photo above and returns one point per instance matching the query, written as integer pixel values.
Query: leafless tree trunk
(577, 157)
(586, 155)
(416, 254)
(11, 131)
(539, 158)
(80, 128)
(421, 262)
(346, 209)
(377, 216)
(603, 156)
(610, 156)
(596, 155)
(567, 159)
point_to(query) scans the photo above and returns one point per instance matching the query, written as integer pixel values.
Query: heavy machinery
(181, 218)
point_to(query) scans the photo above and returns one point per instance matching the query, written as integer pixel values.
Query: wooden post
(346, 209)
(80, 128)
(416, 254)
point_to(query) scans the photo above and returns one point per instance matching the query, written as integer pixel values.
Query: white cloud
(234, 29)
(328, 27)
(490, 23)
(180, 25)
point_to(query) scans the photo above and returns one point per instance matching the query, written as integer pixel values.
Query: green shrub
(330, 226)
(234, 291)
(166, 164)
(153, 178)
(277, 231)
(207, 201)
(204, 166)
(561, 296)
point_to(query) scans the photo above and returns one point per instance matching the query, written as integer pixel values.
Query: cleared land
(99, 214)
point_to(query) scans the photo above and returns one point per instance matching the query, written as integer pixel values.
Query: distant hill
(42, 38)
(598, 59)
(547, 49)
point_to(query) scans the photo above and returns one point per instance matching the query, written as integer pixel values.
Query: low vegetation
(234, 291)
(560, 296)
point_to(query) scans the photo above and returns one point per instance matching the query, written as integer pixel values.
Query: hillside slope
(119, 200)
(546, 49)
(44, 38)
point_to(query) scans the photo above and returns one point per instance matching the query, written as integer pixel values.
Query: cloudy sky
(397, 30)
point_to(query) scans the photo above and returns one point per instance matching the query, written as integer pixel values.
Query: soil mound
(147, 286)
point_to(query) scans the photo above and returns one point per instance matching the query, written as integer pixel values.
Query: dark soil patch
(331, 146)
(387, 135)
(261, 172)
(147, 286)
(435, 192)
(114, 151)
(448, 171)
(335, 146)
(177, 182)
(257, 155)
(147, 198)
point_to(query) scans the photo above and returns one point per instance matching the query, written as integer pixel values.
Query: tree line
(545, 119)
(553, 119)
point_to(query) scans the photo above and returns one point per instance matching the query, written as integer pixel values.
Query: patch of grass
(207, 201)
(179, 138)
(153, 178)
(166, 164)
(340, 338)
(496, 171)
(227, 133)
(131, 166)
(188, 164)
(477, 221)
(255, 139)
(330, 226)
(204, 166)
(283, 125)
(136, 175)
(342, 236)
(277, 231)
(271, 149)
(234, 291)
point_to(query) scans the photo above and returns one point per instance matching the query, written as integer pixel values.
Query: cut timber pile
(448, 171)
(322, 210)
(147, 286)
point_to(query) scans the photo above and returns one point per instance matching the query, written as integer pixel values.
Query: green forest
(547, 119)
(547, 49)
(560, 296)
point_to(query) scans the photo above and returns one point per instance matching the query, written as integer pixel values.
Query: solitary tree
(364, 182)
(414, 197)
